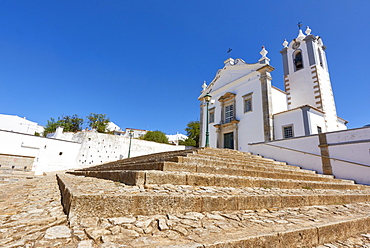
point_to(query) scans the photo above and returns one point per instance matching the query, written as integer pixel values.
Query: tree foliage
(188, 142)
(69, 123)
(99, 122)
(156, 136)
(193, 132)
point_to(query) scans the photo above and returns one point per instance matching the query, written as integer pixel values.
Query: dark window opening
(298, 61)
(288, 132)
(319, 129)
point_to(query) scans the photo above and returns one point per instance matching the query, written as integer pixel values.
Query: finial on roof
(264, 59)
(299, 24)
(308, 30)
(229, 52)
(263, 52)
(300, 36)
(285, 43)
(204, 86)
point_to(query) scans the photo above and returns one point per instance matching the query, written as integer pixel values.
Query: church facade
(246, 108)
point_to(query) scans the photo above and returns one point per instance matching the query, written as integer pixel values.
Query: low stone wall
(348, 151)
(15, 162)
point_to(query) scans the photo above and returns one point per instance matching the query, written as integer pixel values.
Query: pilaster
(265, 79)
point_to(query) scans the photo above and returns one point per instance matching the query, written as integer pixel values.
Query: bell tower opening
(298, 61)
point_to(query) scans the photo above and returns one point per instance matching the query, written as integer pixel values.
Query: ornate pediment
(226, 97)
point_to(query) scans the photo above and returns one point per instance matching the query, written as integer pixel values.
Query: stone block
(154, 177)
(132, 177)
(201, 180)
(306, 237)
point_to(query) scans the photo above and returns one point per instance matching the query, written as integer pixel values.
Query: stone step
(112, 199)
(196, 159)
(235, 163)
(162, 156)
(192, 167)
(202, 179)
(14, 178)
(227, 152)
(15, 172)
(252, 172)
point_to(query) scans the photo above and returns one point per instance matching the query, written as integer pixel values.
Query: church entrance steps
(132, 177)
(211, 198)
(253, 172)
(162, 156)
(111, 199)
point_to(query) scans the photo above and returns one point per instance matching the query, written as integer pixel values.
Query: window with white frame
(229, 113)
(288, 132)
(211, 115)
(247, 102)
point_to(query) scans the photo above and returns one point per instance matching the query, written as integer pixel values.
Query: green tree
(72, 123)
(188, 142)
(51, 126)
(156, 136)
(99, 122)
(193, 132)
(69, 123)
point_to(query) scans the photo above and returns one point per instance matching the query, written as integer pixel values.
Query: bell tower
(306, 77)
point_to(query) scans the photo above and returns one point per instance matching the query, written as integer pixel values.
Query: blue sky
(143, 62)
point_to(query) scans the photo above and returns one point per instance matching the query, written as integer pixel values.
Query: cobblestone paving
(31, 216)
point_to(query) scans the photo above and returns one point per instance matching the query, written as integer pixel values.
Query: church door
(229, 140)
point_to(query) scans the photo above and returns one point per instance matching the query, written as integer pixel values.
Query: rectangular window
(247, 105)
(319, 129)
(288, 132)
(247, 98)
(229, 113)
(211, 115)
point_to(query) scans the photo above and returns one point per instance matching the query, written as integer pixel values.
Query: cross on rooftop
(299, 25)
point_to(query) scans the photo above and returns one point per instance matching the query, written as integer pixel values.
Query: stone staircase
(213, 167)
(14, 173)
(206, 181)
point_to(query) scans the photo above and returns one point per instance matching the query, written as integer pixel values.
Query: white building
(175, 138)
(19, 124)
(112, 127)
(68, 150)
(246, 108)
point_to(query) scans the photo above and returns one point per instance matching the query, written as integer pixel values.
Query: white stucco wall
(316, 119)
(279, 100)
(97, 148)
(50, 154)
(86, 149)
(293, 117)
(308, 144)
(18, 124)
(344, 147)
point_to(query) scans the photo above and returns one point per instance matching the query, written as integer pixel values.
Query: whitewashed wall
(279, 100)
(97, 148)
(50, 154)
(308, 144)
(18, 124)
(316, 119)
(86, 149)
(349, 145)
(293, 117)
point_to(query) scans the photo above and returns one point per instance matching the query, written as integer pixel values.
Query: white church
(245, 108)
